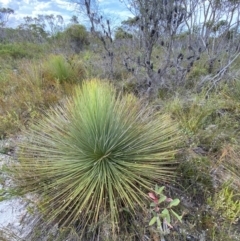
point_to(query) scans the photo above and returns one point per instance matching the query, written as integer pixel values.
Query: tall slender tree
(4, 15)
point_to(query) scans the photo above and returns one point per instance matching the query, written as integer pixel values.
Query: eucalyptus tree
(55, 23)
(49, 23)
(74, 38)
(33, 29)
(4, 15)
(74, 19)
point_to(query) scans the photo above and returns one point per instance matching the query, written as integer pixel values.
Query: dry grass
(25, 94)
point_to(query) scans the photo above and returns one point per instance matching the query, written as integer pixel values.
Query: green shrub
(122, 34)
(74, 38)
(231, 92)
(22, 50)
(194, 113)
(9, 123)
(98, 153)
(196, 72)
(226, 204)
(63, 69)
(12, 50)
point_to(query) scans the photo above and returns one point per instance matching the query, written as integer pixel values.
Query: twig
(221, 72)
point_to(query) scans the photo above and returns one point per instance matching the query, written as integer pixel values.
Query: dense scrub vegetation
(105, 116)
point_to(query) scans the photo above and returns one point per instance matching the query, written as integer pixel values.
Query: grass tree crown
(95, 154)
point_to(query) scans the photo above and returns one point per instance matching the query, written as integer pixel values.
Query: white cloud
(26, 1)
(5, 2)
(64, 5)
(103, 1)
(46, 12)
(43, 5)
(65, 8)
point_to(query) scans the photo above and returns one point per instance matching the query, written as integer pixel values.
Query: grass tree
(96, 154)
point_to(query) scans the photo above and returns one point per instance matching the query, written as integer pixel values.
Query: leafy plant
(227, 204)
(162, 211)
(94, 155)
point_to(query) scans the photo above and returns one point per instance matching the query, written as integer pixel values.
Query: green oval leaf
(166, 214)
(152, 221)
(165, 211)
(162, 199)
(158, 222)
(152, 204)
(174, 202)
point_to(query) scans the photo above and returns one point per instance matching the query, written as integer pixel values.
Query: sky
(22, 8)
